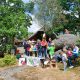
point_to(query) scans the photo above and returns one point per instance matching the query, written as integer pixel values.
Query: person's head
(38, 41)
(44, 39)
(50, 39)
(73, 45)
(70, 49)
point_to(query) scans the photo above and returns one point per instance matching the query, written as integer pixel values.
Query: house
(39, 34)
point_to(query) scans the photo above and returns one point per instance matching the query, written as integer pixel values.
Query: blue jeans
(75, 56)
(27, 53)
(70, 61)
(39, 53)
(44, 52)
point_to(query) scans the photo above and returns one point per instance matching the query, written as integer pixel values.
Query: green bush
(7, 60)
(2, 64)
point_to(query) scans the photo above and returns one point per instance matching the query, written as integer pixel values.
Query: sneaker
(71, 67)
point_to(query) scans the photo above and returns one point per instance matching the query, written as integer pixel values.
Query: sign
(22, 61)
(33, 61)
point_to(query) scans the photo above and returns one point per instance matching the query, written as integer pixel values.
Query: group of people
(46, 49)
(40, 48)
(69, 56)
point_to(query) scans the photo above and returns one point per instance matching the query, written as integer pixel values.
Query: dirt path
(45, 74)
(7, 73)
(37, 73)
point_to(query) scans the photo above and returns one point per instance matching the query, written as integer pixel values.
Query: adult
(44, 45)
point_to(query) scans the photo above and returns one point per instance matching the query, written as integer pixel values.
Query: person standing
(64, 60)
(44, 45)
(27, 49)
(39, 48)
(49, 41)
(51, 50)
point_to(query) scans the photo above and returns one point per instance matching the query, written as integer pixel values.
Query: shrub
(78, 42)
(2, 64)
(7, 60)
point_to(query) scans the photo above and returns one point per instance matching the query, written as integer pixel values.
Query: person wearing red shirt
(44, 45)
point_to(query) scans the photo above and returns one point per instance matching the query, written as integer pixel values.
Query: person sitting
(75, 52)
(69, 55)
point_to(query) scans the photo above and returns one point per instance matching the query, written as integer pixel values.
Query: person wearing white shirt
(64, 60)
(75, 51)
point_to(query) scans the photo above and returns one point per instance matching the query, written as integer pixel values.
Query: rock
(68, 38)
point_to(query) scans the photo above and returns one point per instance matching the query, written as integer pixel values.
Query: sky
(25, 0)
(35, 26)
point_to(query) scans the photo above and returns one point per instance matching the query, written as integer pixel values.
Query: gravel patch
(7, 74)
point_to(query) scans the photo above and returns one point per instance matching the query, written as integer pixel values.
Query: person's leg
(35, 53)
(42, 52)
(28, 53)
(45, 52)
(65, 65)
(70, 62)
(39, 54)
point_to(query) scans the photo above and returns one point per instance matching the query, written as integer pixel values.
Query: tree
(13, 19)
(50, 14)
(71, 10)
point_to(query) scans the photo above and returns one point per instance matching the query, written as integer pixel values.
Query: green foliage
(49, 14)
(8, 47)
(78, 42)
(7, 60)
(73, 21)
(13, 19)
(29, 6)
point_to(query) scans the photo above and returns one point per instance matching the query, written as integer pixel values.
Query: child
(69, 54)
(39, 48)
(64, 59)
(51, 50)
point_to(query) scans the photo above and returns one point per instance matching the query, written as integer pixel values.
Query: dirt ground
(33, 73)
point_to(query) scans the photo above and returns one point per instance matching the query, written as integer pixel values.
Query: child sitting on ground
(69, 55)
